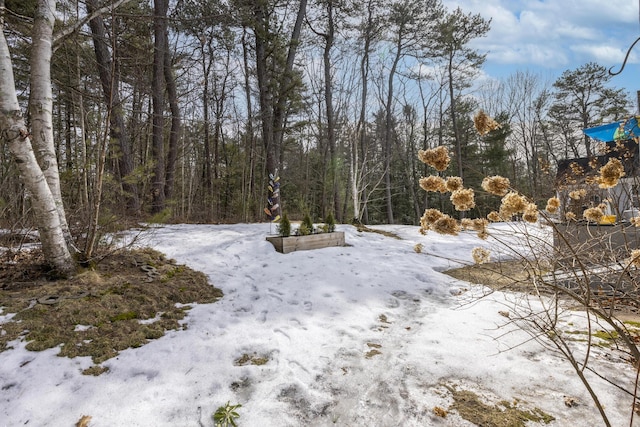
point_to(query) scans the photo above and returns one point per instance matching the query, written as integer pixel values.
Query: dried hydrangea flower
(433, 183)
(446, 225)
(466, 223)
(531, 213)
(497, 185)
(463, 200)
(570, 216)
(634, 258)
(436, 157)
(576, 169)
(513, 203)
(611, 173)
(418, 248)
(480, 255)
(578, 194)
(480, 225)
(484, 124)
(545, 165)
(476, 224)
(454, 183)
(494, 216)
(552, 205)
(593, 214)
(429, 217)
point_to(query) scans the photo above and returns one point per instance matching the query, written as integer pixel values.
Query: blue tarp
(620, 130)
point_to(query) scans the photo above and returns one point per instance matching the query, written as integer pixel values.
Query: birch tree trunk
(14, 132)
(41, 104)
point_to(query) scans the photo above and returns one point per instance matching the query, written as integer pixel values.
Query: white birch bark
(41, 103)
(14, 132)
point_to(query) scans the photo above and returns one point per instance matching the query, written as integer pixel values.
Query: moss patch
(606, 335)
(127, 299)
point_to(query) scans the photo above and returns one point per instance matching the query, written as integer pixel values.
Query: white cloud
(535, 54)
(603, 53)
(555, 35)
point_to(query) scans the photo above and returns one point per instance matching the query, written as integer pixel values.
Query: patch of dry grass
(124, 301)
(471, 407)
(501, 276)
(363, 228)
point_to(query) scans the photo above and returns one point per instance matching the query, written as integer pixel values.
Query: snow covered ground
(364, 335)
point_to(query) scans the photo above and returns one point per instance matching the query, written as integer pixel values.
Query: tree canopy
(217, 111)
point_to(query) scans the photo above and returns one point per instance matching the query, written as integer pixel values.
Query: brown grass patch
(363, 228)
(126, 300)
(502, 414)
(513, 276)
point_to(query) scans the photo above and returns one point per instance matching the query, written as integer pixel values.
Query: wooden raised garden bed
(302, 243)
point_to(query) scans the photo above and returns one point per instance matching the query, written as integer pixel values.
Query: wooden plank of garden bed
(304, 243)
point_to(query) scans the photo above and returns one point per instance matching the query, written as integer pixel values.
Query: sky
(317, 317)
(551, 36)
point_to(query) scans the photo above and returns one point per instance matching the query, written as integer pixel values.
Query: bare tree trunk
(207, 175)
(388, 129)
(157, 93)
(117, 131)
(174, 135)
(265, 93)
(15, 134)
(41, 104)
(250, 146)
(273, 105)
(328, 91)
(454, 119)
(358, 167)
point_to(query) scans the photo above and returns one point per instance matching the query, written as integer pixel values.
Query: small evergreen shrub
(329, 224)
(306, 226)
(284, 227)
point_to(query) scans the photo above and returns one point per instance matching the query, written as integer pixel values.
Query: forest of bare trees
(180, 110)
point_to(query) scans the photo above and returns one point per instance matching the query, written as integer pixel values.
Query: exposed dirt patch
(515, 276)
(363, 228)
(125, 300)
(518, 276)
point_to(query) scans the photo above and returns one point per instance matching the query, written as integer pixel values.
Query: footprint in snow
(393, 303)
(308, 306)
